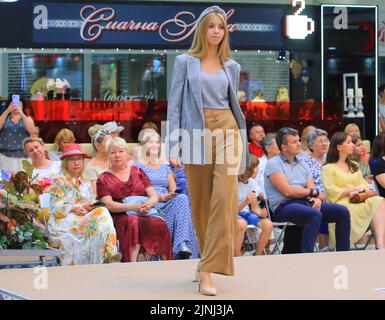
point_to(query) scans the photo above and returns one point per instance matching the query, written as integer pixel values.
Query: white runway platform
(300, 276)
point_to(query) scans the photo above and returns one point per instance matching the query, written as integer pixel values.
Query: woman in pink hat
(83, 231)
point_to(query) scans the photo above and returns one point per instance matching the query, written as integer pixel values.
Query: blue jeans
(299, 213)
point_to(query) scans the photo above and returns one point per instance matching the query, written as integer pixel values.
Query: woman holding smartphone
(15, 126)
(175, 207)
(203, 96)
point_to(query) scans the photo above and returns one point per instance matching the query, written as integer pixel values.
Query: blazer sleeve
(237, 76)
(174, 108)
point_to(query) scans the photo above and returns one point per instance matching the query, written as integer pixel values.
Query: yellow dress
(335, 181)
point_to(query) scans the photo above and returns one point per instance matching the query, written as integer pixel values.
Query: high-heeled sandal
(207, 291)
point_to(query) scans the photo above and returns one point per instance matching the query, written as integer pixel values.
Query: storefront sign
(130, 25)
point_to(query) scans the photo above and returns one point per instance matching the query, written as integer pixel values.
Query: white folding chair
(277, 226)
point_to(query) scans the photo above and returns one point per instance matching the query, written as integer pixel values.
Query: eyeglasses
(73, 159)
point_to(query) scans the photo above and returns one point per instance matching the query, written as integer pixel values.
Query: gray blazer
(185, 118)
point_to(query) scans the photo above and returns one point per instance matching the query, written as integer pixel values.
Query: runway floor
(343, 275)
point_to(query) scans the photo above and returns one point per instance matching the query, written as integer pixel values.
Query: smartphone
(16, 99)
(99, 204)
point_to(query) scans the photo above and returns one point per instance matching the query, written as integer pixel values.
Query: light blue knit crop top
(215, 90)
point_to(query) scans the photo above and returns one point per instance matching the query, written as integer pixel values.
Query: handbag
(154, 212)
(362, 196)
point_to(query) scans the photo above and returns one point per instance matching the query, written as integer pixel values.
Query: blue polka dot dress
(176, 211)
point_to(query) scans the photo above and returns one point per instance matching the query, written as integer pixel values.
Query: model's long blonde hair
(199, 47)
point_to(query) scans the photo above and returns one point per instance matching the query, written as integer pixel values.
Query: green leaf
(27, 166)
(10, 188)
(37, 189)
(30, 197)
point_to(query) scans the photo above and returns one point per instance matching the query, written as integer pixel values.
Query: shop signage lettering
(93, 19)
(124, 97)
(136, 25)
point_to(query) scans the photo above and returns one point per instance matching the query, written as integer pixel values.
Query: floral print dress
(87, 239)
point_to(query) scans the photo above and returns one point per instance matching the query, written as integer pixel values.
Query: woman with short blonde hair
(63, 137)
(137, 231)
(43, 168)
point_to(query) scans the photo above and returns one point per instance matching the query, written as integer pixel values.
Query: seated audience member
(113, 128)
(94, 129)
(45, 169)
(377, 162)
(83, 231)
(64, 137)
(270, 149)
(294, 198)
(318, 144)
(304, 147)
(175, 207)
(354, 130)
(256, 135)
(359, 157)
(99, 162)
(248, 206)
(292, 236)
(135, 232)
(150, 125)
(342, 179)
(178, 170)
(15, 126)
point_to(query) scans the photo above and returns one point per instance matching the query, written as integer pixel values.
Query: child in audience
(248, 206)
(358, 153)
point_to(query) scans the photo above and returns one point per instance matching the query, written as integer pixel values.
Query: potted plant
(19, 227)
(21, 233)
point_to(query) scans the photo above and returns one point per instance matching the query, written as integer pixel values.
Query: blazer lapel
(194, 77)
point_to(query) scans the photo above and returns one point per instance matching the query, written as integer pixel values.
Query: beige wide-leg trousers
(213, 191)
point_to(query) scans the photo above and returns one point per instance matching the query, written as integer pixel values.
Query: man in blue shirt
(294, 198)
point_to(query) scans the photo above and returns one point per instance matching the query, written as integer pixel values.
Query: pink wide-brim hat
(72, 149)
